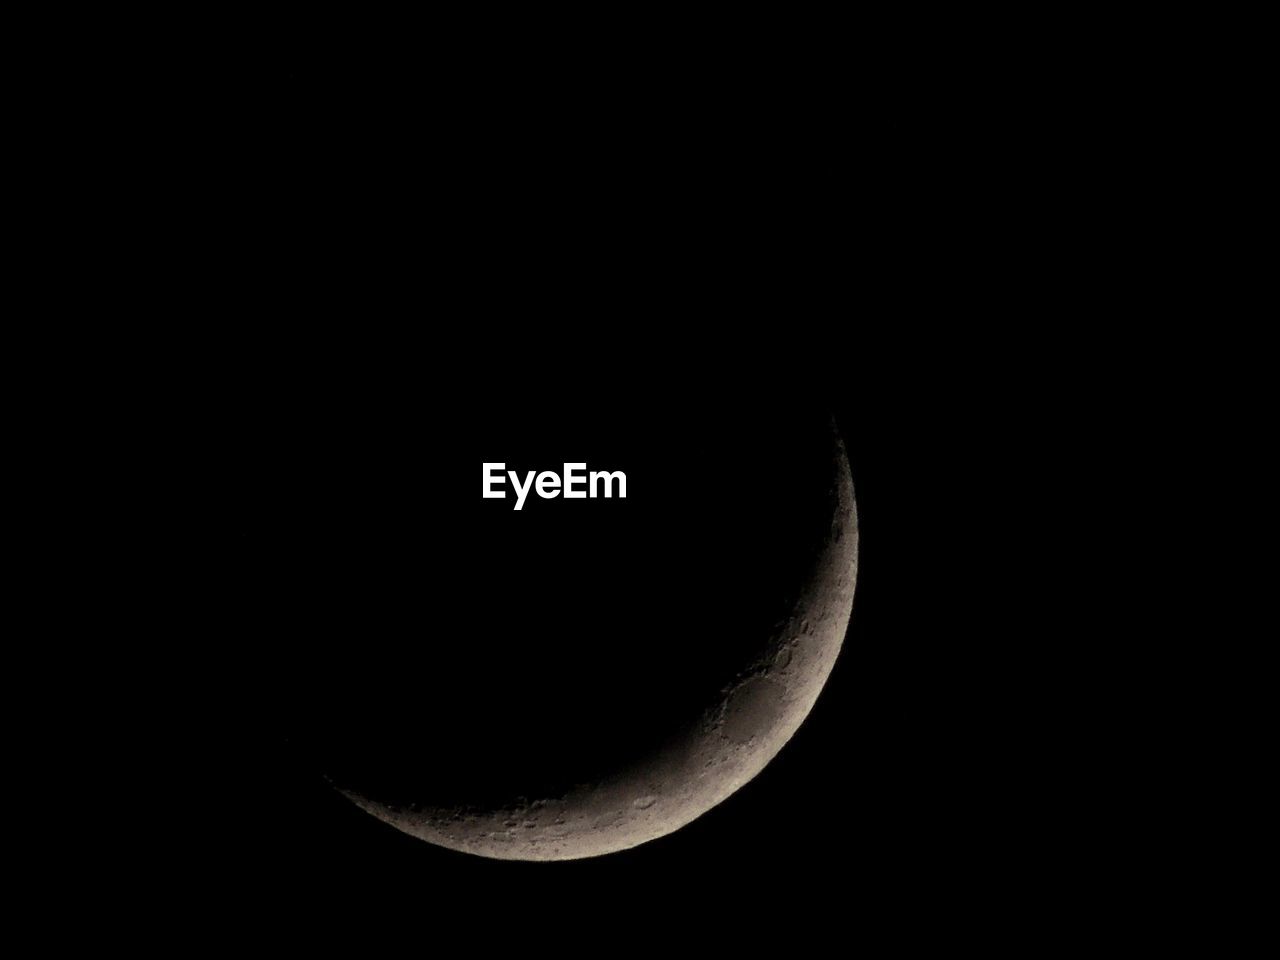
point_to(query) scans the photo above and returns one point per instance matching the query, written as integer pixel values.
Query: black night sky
(388, 305)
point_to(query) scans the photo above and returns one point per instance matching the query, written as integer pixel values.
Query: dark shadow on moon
(472, 659)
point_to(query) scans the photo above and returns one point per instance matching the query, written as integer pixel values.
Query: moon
(733, 739)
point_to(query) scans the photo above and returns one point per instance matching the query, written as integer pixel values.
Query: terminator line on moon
(732, 741)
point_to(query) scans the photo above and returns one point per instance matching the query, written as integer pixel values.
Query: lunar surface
(736, 735)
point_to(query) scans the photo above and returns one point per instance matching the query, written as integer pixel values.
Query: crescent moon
(729, 744)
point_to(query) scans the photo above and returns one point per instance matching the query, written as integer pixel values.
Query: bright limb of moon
(732, 741)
